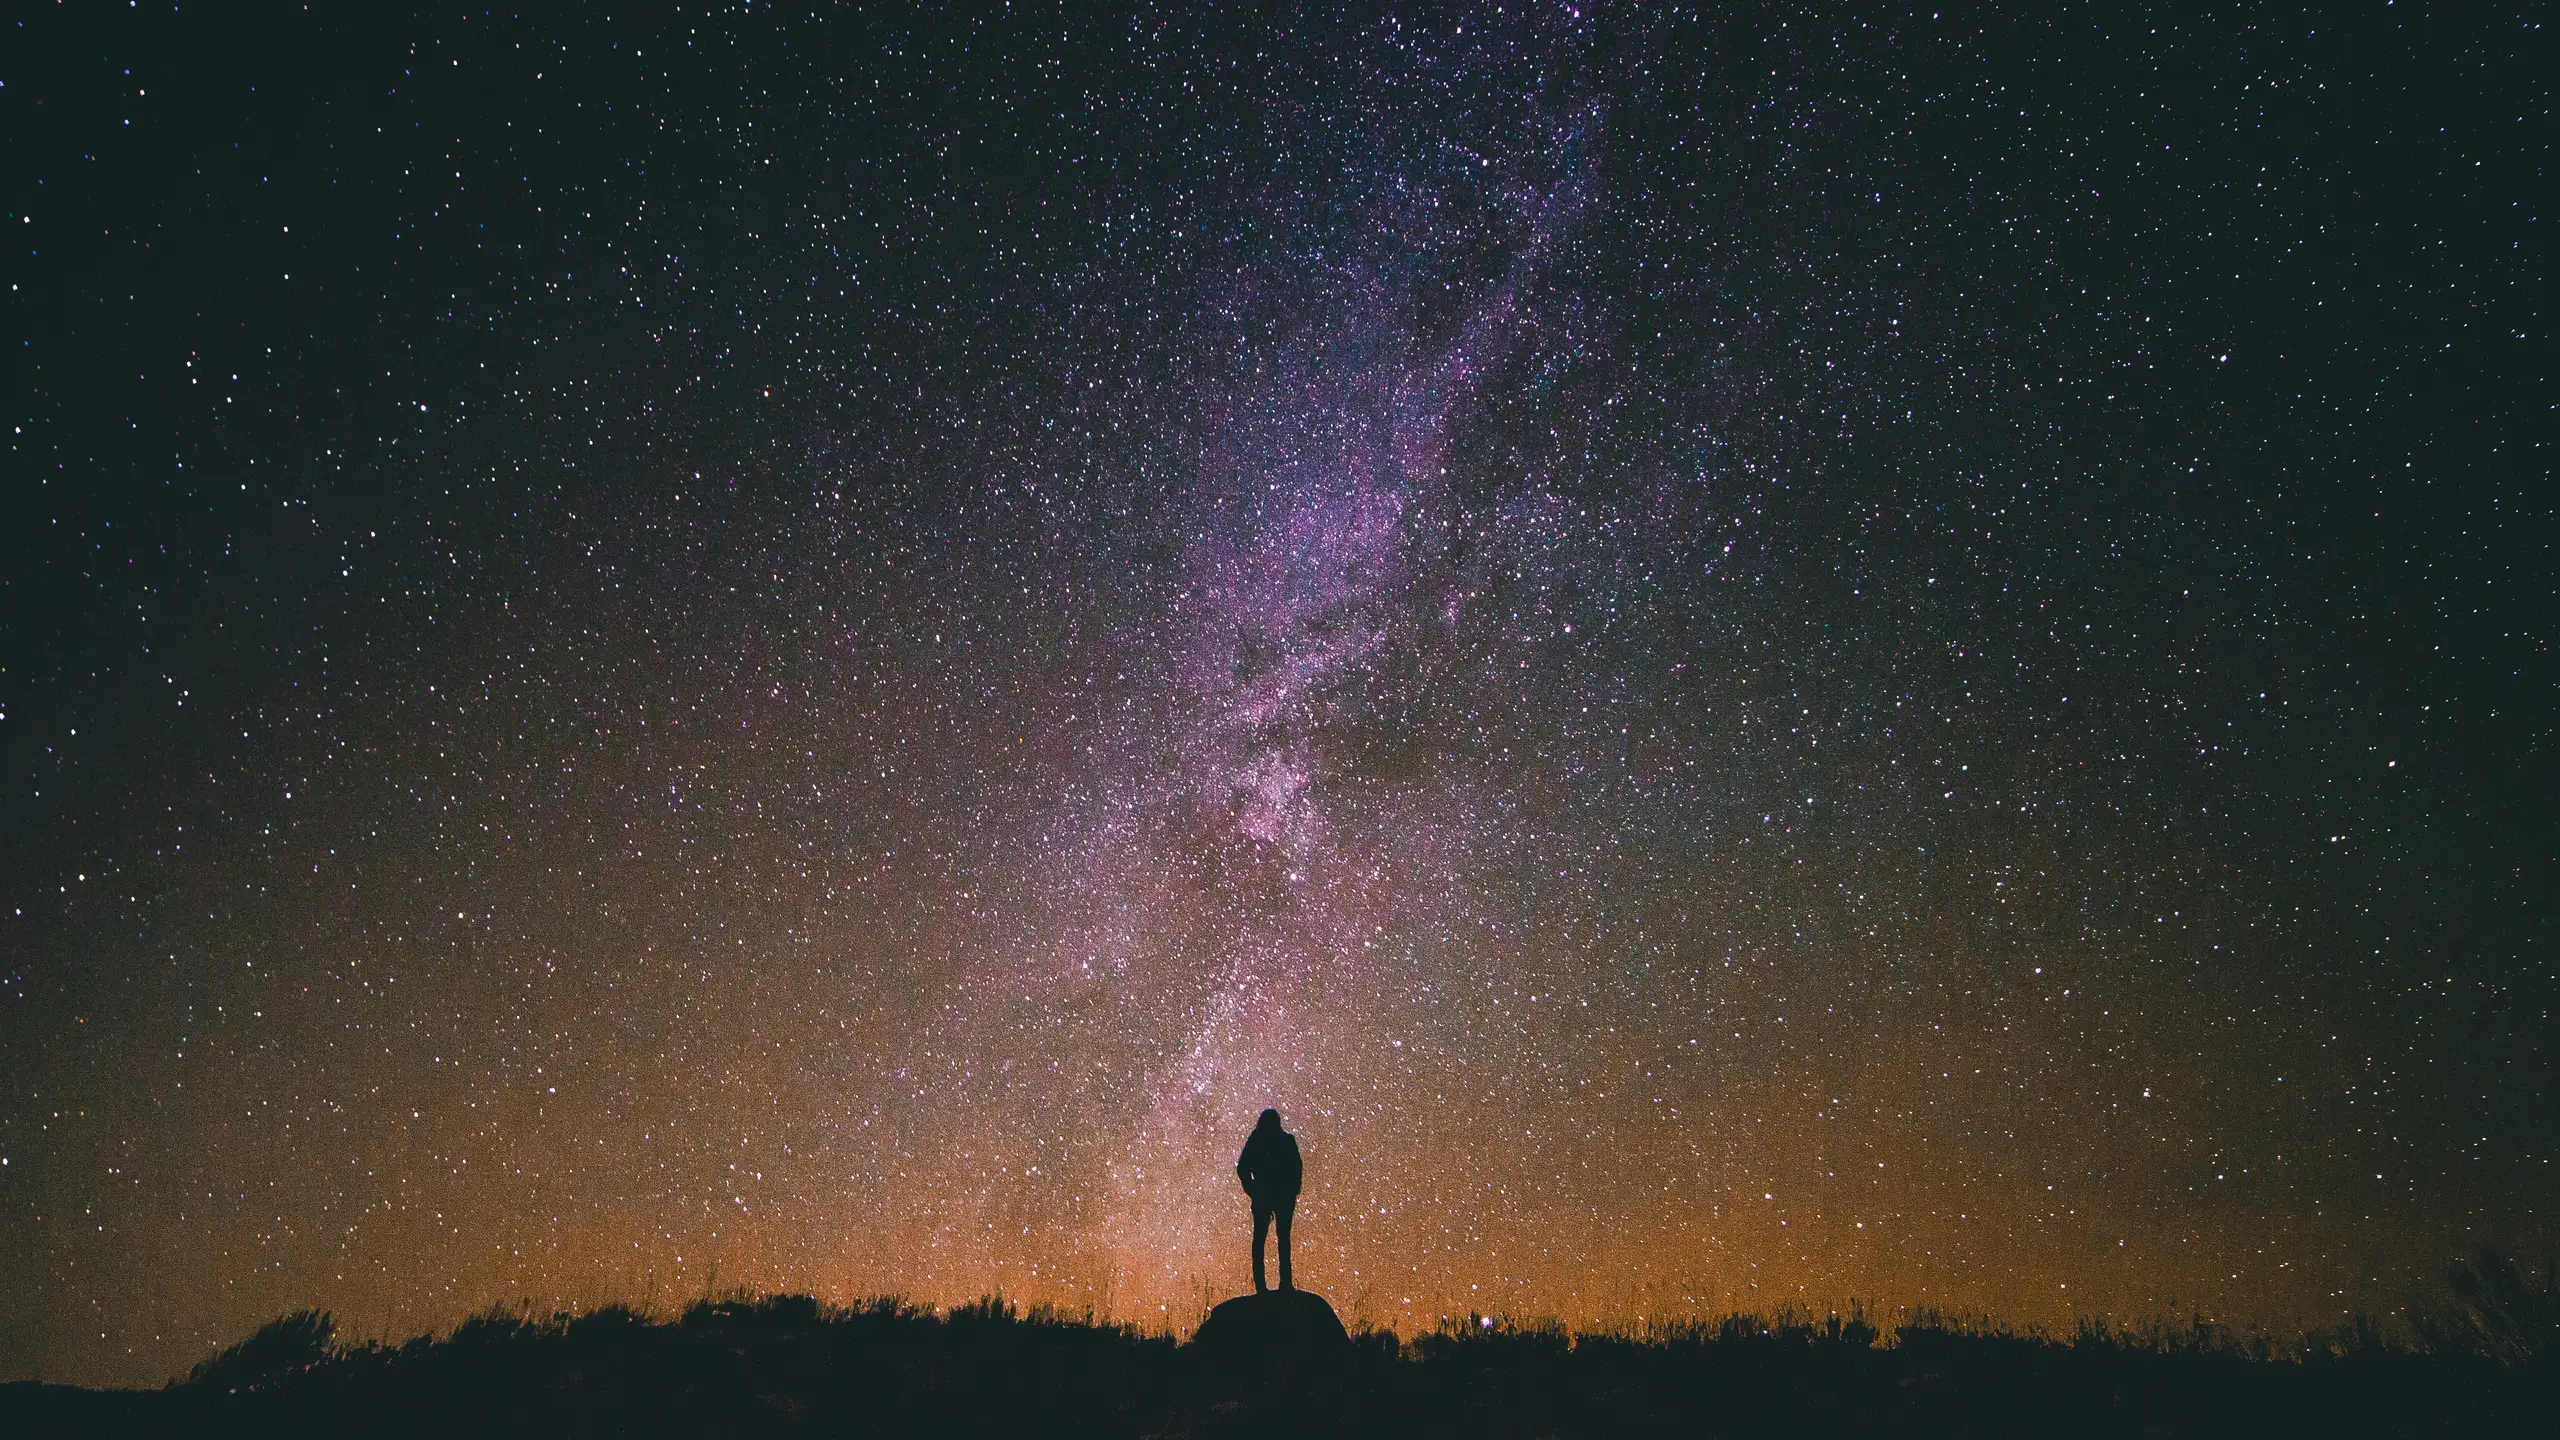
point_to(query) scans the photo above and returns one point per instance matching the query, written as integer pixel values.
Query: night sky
(1743, 657)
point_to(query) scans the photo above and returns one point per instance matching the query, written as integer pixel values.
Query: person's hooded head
(1270, 1121)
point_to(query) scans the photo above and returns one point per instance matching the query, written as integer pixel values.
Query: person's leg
(1288, 1211)
(1262, 1227)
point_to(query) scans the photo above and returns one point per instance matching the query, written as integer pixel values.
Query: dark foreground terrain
(789, 1365)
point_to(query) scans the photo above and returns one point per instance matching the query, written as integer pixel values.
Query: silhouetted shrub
(282, 1348)
(493, 1326)
(2499, 1309)
(791, 1309)
(606, 1323)
(1851, 1329)
(986, 1309)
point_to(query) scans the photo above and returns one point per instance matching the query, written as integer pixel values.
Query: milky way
(1743, 662)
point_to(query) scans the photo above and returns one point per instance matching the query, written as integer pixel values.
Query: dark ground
(787, 1365)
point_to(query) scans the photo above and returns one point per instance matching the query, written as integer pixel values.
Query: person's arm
(1244, 1171)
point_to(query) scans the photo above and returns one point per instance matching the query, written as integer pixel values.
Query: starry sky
(1745, 656)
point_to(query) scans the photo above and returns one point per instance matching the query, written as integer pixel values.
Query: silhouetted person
(1270, 1170)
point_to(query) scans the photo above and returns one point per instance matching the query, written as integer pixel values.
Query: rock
(1292, 1326)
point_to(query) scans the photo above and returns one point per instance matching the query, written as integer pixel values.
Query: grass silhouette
(2482, 1362)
